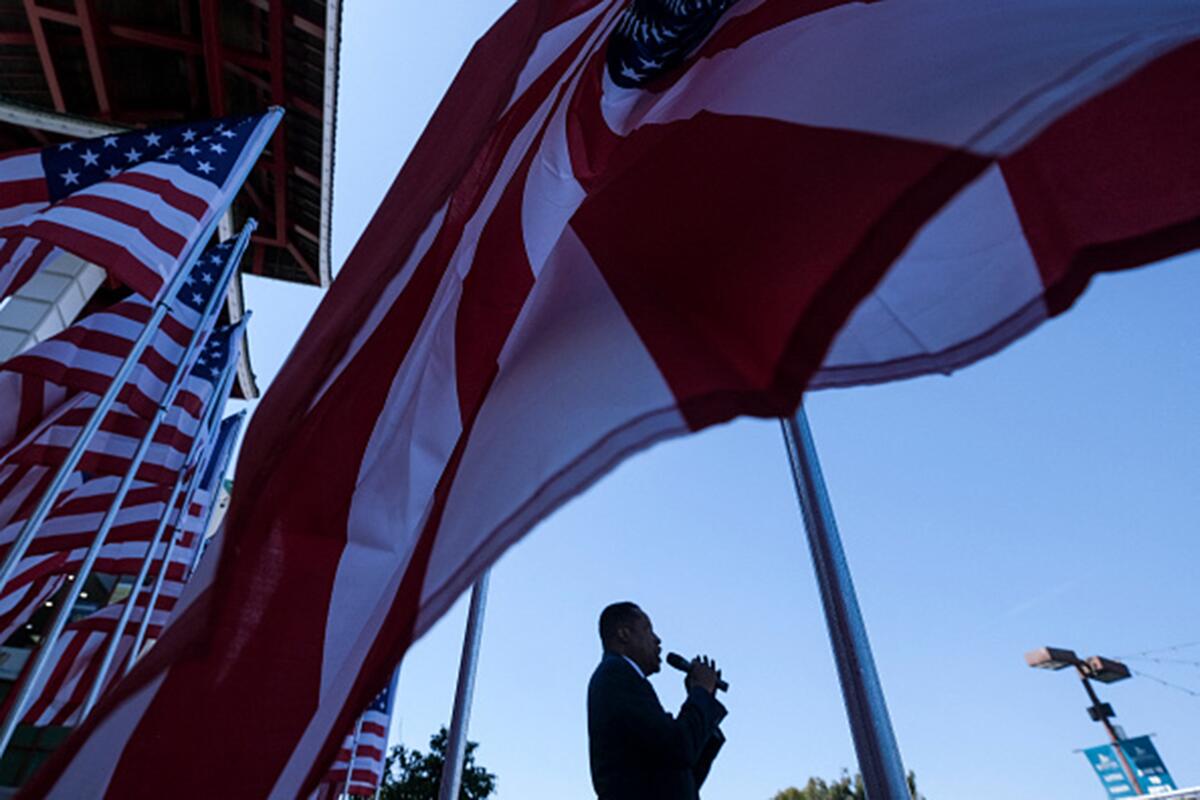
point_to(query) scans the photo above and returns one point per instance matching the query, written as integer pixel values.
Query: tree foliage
(413, 775)
(844, 788)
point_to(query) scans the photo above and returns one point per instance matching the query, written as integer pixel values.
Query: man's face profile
(641, 644)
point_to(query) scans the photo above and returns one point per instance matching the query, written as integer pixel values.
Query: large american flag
(358, 768)
(132, 203)
(568, 270)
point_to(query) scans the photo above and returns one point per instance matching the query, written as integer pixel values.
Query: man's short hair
(616, 616)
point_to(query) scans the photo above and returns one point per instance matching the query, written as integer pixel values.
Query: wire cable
(1167, 683)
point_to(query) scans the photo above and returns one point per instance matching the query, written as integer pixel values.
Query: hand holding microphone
(701, 671)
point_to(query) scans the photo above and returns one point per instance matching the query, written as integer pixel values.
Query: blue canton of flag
(210, 364)
(382, 703)
(206, 149)
(202, 281)
(655, 36)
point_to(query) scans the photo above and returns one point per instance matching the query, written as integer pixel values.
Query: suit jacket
(639, 751)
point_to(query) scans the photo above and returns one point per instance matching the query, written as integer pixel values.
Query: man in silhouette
(639, 751)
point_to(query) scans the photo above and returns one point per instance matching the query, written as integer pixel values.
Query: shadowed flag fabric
(568, 270)
(131, 203)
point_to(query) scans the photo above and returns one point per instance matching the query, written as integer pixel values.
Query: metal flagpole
(456, 744)
(213, 412)
(353, 754)
(221, 468)
(16, 551)
(874, 742)
(180, 521)
(45, 651)
(391, 714)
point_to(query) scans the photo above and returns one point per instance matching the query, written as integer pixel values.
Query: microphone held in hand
(683, 665)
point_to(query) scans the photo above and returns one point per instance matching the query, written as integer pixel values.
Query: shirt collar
(636, 668)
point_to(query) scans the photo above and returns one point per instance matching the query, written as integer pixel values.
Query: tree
(413, 775)
(844, 788)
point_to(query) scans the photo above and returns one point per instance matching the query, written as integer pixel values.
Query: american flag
(63, 540)
(366, 744)
(79, 650)
(132, 203)
(87, 355)
(568, 270)
(112, 447)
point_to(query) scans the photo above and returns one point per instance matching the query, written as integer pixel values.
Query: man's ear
(623, 634)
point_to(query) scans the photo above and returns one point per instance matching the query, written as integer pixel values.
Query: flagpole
(23, 693)
(456, 744)
(871, 728)
(220, 471)
(20, 545)
(353, 755)
(180, 521)
(383, 774)
(235, 258)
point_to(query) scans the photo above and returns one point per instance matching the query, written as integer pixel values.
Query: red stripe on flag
(20, 192)
(171, 194)
(678, 190)
(1112, 184)
(139, 219)
(119, 262)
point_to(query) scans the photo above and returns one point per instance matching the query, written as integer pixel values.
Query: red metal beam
(307, 26)
(300, 104)
(303, 262)
(305, 175)
(210, 24)
(191, 61)
(33, 14)
(275, 22)
(53, 14)
(17, 38)
(259, 82)
(86, 12)
(306, 233)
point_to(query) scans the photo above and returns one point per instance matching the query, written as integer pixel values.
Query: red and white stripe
(86, 355)
(25, 400)
(137, 225)
(367, 745)
(79, 650)
(112, 448)
(23, 188)
(824, 193)
(20, 258)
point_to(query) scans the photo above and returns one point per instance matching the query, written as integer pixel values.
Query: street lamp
(1094, 668)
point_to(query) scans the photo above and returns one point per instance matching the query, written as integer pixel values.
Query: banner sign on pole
(1107, 764)
(1151, 774)
(1148, 767)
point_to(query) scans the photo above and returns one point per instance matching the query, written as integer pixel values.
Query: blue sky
(1045, 496)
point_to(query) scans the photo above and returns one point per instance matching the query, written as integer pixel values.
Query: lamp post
(1093, 668)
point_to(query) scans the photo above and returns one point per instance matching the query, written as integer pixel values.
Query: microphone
(683, 665)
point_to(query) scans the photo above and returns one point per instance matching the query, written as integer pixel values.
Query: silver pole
(220, 471)
(180, 520)
(353, 754)
(213, 413)
(874, 742)
(20, 545)
(110, 650)
(456, 744)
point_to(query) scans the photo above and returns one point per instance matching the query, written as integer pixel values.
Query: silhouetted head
(626, 630)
